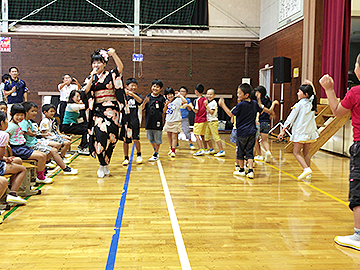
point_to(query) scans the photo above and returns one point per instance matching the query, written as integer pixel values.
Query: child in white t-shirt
(212, 128)
(173, 117)
(49, 129)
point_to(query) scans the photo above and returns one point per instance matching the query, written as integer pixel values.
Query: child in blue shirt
(245, 112)
(184, 110)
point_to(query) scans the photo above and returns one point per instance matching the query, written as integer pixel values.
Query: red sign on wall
(5, 44)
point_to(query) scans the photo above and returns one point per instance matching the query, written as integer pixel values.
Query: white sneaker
(139, 160)
(106, 170)
(221, 153)
(154, 158)
(172, 154)
(306, 172)
(258, 158)
(346, 241)
(67, 155)
(238, 173)
(45, 181)
(84, 151)
(211, 151)
(201, 152)
(308, 177)
(125, 162)
(66, 161)
(100, 172)
(250, 175)
(268, 156)
(169, 153)
(15, 199)
(192, 147)
(51, 165)
(237, 168)
(69, 170)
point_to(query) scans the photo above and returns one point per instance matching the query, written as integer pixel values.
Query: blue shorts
(2, 167)
(264, 127)
(154, 136)
(22, 151)
(233, 136)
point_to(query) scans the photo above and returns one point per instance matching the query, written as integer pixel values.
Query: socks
(139, 154)
(13, 193)
(127, 157)
(241, 170)
(250, 170)
(40, 175)
(155, 154)
(173, 150)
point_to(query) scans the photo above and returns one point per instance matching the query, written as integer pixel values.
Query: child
(264, 120)
(184, 110)
(3, 106)
(213, 122)
(18, 146)
(73, 123)
(350, 103)
(245, 112)
(10, 165)
(50, 148)
(134, 100)
(49, 129)
(154, 107)
(304, 130)
(173, 117)
(200, 122)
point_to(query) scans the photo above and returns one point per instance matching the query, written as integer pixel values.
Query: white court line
(184, 260)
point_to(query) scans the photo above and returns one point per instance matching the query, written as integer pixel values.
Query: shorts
(354, 177)
(233, 135)
(42, 146)
(245, 147)
(2, 167)
(58, 139)
(22, 151)
(212, 128)
(154, 136)
(200, 128)
(174, 127)
(264, 127)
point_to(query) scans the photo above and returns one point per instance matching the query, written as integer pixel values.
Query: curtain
(336, 43)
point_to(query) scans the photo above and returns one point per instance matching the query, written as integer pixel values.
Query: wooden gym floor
(185, 213)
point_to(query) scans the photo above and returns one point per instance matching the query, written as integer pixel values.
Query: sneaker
(1, 218)
(139, 160)
(237, 168)
(268, 156)
(153, 158)
(306, 172)
(169, 153)
(84, 151)
(69, 170)
(238, 173)
(246, 169)
(221, 153)
(125, 162)
(192, 147)
(250, 175)
(201, 152)
(308, 177)
(51, 165)
(15, 199)
(211, 151)
(206, 152)
(44, 181)
(66, 161)
(67, 155)
(106, 170)
(100, 172)
(172, 154)
(346, 241)
(258, 157)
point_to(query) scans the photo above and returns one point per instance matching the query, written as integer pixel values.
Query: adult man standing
(15, 89)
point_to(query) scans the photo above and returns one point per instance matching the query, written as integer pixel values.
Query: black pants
(77, 129)
(61, 110)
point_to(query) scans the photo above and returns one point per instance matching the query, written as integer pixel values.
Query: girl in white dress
(304, 130)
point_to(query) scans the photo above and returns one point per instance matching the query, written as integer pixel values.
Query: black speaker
(281, 69)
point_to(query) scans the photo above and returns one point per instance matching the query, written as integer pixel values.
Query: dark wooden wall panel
(218, 64)
(288, 43)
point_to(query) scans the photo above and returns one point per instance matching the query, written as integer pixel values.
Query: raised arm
(328, 84)
(224, 107)
(117, 60)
